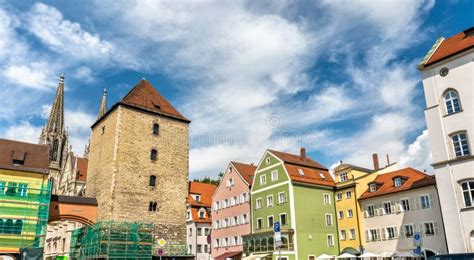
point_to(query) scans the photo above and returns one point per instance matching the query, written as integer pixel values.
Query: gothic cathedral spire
(54, 133)
(103, 104)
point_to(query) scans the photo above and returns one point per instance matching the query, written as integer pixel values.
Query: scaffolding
(113, 240)
(24, 212)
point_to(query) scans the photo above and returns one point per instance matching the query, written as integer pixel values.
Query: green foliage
(208, 180)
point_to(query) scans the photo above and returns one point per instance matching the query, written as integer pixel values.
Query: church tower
(54, 134)
(139, 162)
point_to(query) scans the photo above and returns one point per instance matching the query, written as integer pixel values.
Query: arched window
(153, 154)
(55, 150)
(1, 226)
(152, 180)
(8, 226)
(460, 144)
(18, 226)
(468, 192)
(451, 100)
(156, 129)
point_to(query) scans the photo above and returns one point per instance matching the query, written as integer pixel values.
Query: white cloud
(34, 75)
(63, 36)
(418, 154)
(23, 131)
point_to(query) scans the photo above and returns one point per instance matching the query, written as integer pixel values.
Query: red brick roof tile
(413, 179)
(35, 157)
(204, 190)
(197, 219)
(297, 159)
(246, 171)
(311, 175)
(453, 45)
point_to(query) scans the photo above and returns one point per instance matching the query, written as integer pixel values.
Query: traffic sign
(209, 239)
(417, 250)
(417, 240)
(276, 227)
(161, 252)
(162, 242)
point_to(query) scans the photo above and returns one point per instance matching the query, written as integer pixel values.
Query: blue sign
(417, 236)
(276, 226)
(417, 250)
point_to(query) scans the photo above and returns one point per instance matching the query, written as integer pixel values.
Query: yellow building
(351, 181)
(24, 196)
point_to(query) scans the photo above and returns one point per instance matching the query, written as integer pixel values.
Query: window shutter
(367, 236)
(422, 229)
(396, 232)
(392, 209)
(376, 211)
(366, 214)
(432, 201)
(384, 233)
(378, 234)
(418, 203)
(436, 228)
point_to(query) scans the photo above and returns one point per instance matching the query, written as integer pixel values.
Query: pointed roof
(145, 96)
(204, 190)
(297, 159)
(246, 171)
(103, 104)
(55, 122)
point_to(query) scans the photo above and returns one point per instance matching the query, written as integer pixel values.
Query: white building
(398, 204)
(198, 220)
(448, 82)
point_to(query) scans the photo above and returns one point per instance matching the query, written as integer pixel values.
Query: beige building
(398, 204)
(138, 163)
(448, 82)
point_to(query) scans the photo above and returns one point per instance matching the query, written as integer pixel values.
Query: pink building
(231, 211)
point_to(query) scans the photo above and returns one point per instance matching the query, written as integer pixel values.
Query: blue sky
(337, 77)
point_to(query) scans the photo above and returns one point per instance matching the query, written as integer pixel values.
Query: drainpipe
(442, 220)
(357, 216)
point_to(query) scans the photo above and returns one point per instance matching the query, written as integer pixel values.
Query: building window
(343, 177)
(451, 100)
(2, 187)
(322, 176)
(387, 208)
(259, 223)
(244, 218)
(340, 214)
(343, 235)
(156, 129)
(391, 232)
(349, 213)
(327, 199)
(230, 182)
(348, 194)
(352, 234)
(152, 181)
(197, 198)
(199, 231)
(263, 179)
(152, 206)
(258, 203)
(281, 197)
(468, 192)
(188, 216)
(153, 154)
(339, 196)
(372, 187)
(429, 228)
(11, 188)
(267, 160)
(408, 230)
(398, 182)
(199, 248)
(405, 205)
(370, 211)
(461, 146)
(22, 189)
(270, 221)
(270, 201)
(283, 220)
(207, 231)
(328, 219)
(330, 239)
(374, 235)
(275, 175)
(202, 214)
(425, 201)
(300, 172)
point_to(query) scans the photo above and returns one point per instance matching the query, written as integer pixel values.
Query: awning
(368, 255)
(324, 256)
(346, 255)
(252, 256)
(228, 255)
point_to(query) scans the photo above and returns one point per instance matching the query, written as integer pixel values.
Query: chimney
(388, 160)
(375, 158)
(303, 153)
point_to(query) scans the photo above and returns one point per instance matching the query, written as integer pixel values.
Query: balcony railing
(264, 242)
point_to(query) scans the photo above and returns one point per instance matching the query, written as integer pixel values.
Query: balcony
(264, 242)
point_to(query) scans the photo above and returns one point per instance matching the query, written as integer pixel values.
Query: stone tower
(54, 134)
(138, 162)
(103, 104)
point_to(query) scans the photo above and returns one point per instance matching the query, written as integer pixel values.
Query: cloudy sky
(337, 77)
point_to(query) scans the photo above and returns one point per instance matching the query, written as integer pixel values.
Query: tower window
(451, 100)
(153, 154)
(461, 147)
(152, 206)
(152, 181)
(156, 129)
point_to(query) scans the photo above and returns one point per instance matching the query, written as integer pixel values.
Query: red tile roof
(310, 168)
(297, 159)
(81, 168)
(204, 190)
(413, 179)
(197, 219)
(145, 96)
(35, 157)
(246, 171)
(453, 45)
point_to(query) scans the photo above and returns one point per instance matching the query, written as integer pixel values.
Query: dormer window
(267, 160)
(397, 182)
(343, 177)
(301, 172)
(373, 187)
(202, 214)
(18, 162)
(322, 176)
(197, 198)
(230, 182)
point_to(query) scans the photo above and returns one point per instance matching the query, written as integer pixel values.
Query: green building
(297, 192)
(24, 196)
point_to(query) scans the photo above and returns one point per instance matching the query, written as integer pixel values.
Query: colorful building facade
(398, 204)
(296, 191)
(24, 195)
(231, 211)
